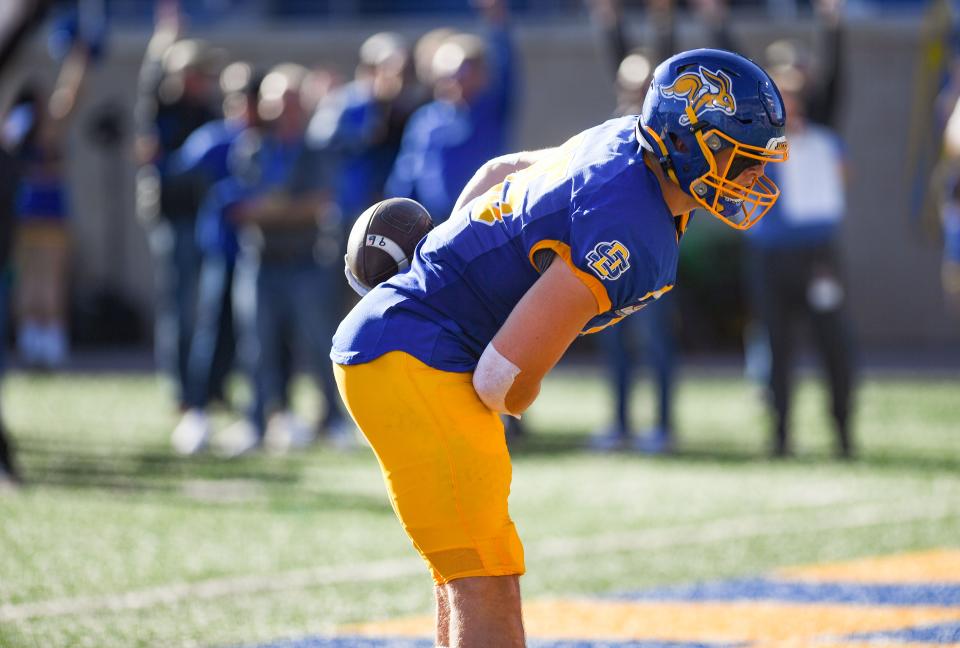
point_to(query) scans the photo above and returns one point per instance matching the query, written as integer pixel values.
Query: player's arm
(494, 171)
(535, 336)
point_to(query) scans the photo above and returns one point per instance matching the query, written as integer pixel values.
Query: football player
(542, 247)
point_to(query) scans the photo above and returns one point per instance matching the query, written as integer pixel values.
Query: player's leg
(446, 466)
(443, 616)
(485, 611)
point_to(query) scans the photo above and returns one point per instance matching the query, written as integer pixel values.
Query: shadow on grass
(273, 483)
(569, 443)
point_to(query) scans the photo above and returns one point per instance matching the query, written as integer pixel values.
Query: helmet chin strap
(662, 156)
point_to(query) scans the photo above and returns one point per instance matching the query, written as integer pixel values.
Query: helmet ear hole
(678, 143)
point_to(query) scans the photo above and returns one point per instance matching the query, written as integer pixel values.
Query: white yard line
(749, 526)
(692, 533)
(215, 588)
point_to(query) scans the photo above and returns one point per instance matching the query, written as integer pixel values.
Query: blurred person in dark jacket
(176, 96)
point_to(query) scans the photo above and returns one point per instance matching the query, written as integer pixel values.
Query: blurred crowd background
(183, 175)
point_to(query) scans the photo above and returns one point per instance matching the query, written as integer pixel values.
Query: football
(383, 239)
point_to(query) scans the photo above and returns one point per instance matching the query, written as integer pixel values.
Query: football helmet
(708, 116)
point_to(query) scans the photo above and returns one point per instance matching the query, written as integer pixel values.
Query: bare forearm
(536, 334)
(494, 172)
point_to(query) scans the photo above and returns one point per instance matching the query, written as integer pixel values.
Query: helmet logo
(703, 91)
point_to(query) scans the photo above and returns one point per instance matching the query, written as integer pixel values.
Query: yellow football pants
(444, 460)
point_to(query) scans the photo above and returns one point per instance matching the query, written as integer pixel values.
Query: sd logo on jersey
(609, 260)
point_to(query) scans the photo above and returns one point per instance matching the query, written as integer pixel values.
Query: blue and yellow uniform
(405, 353)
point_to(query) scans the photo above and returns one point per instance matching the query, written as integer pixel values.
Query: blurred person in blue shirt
(468, 121)
(206, 156)
(288, 273)
(359, 126)
(794, 269)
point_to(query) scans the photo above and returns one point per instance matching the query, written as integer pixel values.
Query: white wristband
(493, 378)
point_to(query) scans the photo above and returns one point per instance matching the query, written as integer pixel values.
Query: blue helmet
(708, 116)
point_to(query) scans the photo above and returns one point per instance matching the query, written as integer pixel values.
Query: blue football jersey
(592, 203)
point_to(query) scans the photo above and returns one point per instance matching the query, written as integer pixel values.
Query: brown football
(384, 237)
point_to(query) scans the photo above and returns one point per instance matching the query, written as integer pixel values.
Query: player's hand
(358, 287)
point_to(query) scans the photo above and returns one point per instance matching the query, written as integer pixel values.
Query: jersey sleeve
(609, 259)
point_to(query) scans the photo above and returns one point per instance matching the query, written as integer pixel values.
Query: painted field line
(215, 588)
(749, 526)
(687, 534)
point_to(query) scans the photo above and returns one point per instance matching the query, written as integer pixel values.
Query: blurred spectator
(793, 261)
(946, 186)
(423, 53)
(206, 156)
(289, 269)
(358, 129)
(175, 97)
(36, 128)
(468, 121)
(821, 106)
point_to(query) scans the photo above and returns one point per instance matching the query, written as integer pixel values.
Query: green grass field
(116, 542)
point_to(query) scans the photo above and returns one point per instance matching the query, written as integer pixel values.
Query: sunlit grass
(109, 510)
